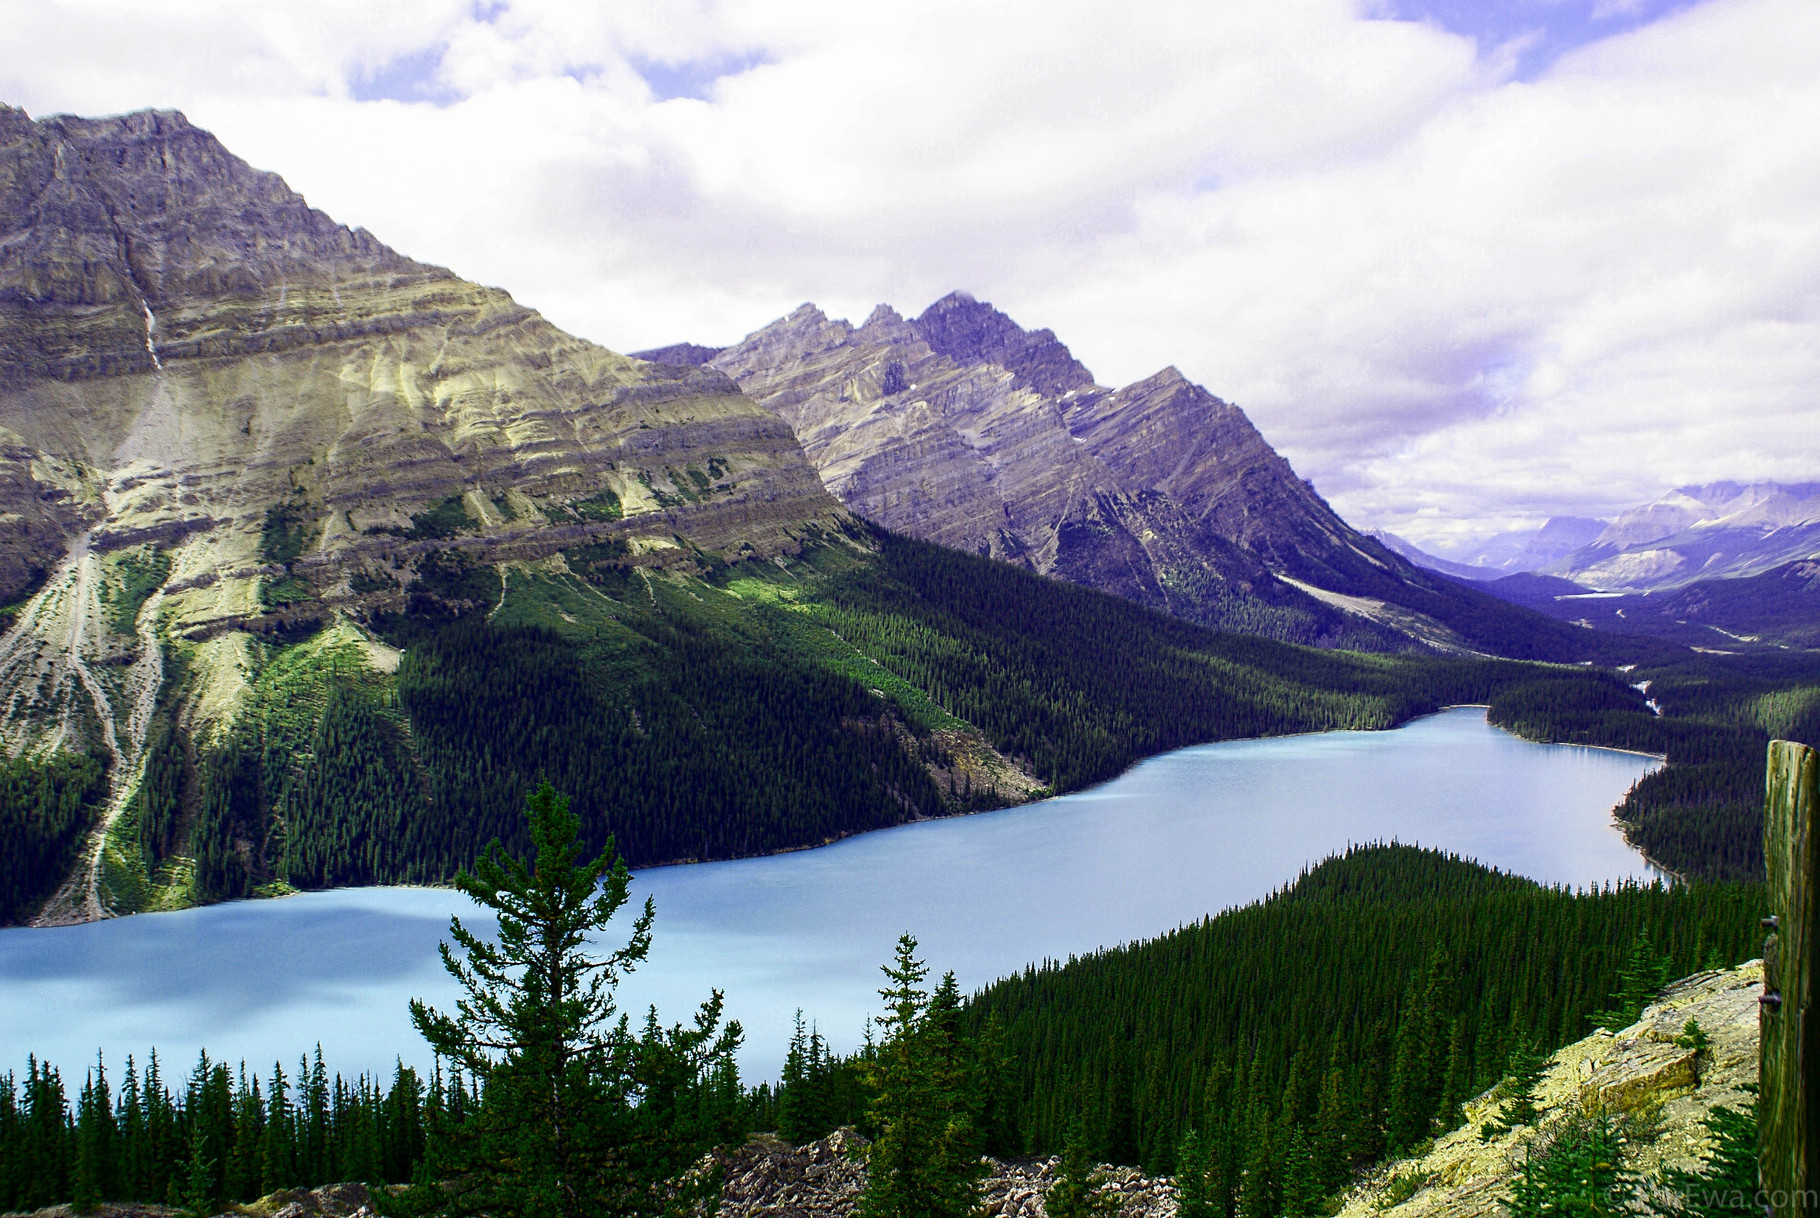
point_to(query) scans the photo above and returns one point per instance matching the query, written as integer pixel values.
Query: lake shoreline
(262, 898)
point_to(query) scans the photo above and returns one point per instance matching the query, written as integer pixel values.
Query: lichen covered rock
(1639, 1071)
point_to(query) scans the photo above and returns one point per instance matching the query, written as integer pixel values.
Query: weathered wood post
(1788, 1156)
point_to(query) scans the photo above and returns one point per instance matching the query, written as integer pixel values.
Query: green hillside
(1347, 1015)
(728, 711)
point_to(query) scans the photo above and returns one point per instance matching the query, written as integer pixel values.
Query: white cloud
(1446, 294)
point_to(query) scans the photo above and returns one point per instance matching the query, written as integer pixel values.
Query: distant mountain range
(963, 428)
(1716, 531)
(1720, 566)
(1503, 553)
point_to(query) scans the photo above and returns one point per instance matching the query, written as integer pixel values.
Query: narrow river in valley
(1179, 836)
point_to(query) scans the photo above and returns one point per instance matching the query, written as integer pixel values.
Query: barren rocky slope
(963, 428)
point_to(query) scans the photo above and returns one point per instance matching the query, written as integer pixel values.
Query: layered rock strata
(961, 427)
(221, 412)
(296, 416)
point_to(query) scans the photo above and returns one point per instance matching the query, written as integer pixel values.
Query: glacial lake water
(1178, 836)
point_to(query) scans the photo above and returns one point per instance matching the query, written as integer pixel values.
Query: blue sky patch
(407, 78)
(695, 77)
(1552, 28)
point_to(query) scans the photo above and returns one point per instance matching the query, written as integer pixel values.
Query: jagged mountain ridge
(963, 428)
(185, 339)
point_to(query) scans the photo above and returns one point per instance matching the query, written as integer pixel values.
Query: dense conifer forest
(755, 707)
(1701, 815)
(1311, 1033)
(45, 809)
(1285, 1044)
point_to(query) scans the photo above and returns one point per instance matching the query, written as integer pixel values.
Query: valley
(1260, 851)
(324, 556)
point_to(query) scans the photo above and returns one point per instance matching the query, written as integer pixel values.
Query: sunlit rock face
(185, 344)
(963, 428)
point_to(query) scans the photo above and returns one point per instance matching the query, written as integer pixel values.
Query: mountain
(1527, 549)
(1404, 548)
(963, 428)
(1722, 529)
(1778, 608)
(1546, 593)
(314, 558)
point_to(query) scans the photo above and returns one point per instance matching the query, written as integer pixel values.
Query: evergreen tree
(1527, 1065)
(1076, 1191)
(199, 1179)
(925, 1160)
(276, 1152)
(1302, 1190)
(559, 1132)
(795, 1122)
(1579, 1171)
(1725, 1184)
(1640, 978)
(1194, 1192)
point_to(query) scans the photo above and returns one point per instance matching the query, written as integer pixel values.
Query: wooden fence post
(1788, 1156)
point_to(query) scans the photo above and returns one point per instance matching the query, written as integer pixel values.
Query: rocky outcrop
(1639, 1070)
(825, 1179)
(963, 428)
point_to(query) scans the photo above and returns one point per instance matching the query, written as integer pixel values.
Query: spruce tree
(925, 1160)
(1640, 978)
(1527, 1065)
(794, 1124)
(1725, 1183)
(560, 1133)
(1579, 1171)
(1076, 1191)
(275, 1150)
(199, 1177)
(1194, 1192)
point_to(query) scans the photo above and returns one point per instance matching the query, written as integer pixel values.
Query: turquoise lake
(1175, 838)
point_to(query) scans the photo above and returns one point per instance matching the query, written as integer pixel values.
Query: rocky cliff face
(223, 412)
(963, 428)
(185, 344)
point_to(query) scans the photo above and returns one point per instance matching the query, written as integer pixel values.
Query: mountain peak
(967, 330)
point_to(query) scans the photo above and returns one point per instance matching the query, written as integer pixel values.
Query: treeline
(223, 1135)
(1343, 1018)
(1701, 816)
(1080, 684)
(697, 724)
(695, 720)
(46, 808)
(220, 1135)
(1269, 1051)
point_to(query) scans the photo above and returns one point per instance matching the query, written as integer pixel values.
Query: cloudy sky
(1468, 263)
